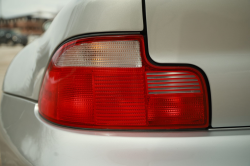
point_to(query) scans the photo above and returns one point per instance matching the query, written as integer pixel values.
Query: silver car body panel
(31, 140)
(213, 35)
(26, 71)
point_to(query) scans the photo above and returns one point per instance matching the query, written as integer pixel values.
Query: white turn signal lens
(102, 54)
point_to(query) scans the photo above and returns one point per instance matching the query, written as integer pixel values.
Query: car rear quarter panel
(27, 139)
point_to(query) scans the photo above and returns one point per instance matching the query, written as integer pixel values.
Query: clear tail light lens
(107, 83)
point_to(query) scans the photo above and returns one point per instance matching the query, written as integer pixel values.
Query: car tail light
(107, 83)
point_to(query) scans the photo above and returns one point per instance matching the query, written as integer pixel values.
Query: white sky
(12, 8)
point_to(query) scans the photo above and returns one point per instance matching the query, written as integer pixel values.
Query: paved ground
(7, 53)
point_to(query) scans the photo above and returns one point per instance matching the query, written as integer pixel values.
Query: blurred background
(21, 22)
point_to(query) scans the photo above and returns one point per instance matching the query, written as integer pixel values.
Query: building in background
(29, 24)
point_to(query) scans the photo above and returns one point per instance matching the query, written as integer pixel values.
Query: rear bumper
(28, 139)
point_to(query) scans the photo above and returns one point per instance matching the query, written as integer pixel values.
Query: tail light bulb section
(107, 82)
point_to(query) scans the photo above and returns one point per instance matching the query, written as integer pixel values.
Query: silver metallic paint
(33, 141)
(26, 71)
(213, 35)
(27, 139)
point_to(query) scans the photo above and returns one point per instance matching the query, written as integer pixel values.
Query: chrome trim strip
(166, 92)
(180, 80)
(165, 73)
(159, 77)
(173, 84)
(195, 87)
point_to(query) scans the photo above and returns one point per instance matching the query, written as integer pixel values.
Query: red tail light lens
(107, 83)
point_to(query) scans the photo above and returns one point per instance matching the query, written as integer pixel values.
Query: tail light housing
(107, 82)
